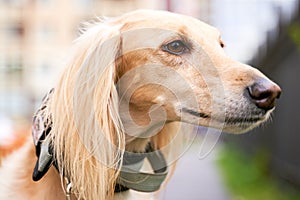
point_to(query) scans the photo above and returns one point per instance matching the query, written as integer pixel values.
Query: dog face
(180, 73)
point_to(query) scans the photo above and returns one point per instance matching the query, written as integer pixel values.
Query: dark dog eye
(176, 47)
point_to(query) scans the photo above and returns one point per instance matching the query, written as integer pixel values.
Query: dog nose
(263, 93)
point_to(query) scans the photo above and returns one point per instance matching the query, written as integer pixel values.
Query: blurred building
(35, 37)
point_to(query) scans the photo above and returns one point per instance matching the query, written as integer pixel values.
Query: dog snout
(264, 93)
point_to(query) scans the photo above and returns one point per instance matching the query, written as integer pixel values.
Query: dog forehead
(182, 24)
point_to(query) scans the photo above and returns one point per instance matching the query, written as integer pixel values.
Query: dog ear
(88, 133)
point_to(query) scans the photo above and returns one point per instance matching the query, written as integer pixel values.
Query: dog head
(178, 63)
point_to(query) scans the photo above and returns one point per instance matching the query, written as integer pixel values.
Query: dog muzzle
(130, 176)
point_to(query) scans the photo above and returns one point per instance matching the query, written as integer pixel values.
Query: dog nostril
(264, 93)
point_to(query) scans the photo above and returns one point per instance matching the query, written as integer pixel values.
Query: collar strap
(41, 127)
(130, 176)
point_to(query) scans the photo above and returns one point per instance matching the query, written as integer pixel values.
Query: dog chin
(243, 127)
(238, 125)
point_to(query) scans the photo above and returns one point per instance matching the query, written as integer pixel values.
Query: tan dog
(128, 84)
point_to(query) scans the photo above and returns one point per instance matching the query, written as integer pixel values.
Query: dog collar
(130, 175)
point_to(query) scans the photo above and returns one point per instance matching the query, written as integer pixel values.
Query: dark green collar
(130, 176)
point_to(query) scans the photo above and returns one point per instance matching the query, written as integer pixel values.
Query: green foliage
(294, 33)
(248, 178)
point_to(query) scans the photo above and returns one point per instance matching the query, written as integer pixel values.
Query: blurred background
(35, 37)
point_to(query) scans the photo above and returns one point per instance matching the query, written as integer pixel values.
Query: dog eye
(176, 47)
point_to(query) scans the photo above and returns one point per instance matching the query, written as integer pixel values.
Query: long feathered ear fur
(87, 132)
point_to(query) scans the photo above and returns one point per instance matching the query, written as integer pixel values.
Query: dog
(131, 86)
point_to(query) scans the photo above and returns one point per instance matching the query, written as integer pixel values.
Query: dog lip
(195, 113)
(243, 120)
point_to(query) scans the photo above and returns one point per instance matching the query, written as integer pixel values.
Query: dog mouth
(244, 120)
(195, 113)
(240, 122)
